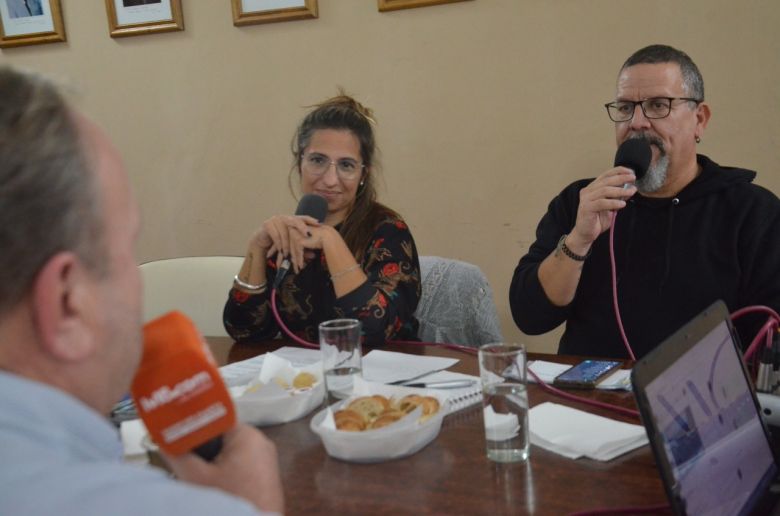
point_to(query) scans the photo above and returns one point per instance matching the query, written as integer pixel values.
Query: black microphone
(316, 207)
(636, 155)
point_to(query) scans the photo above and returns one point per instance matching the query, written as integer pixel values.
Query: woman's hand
(281, 235)
(303, 244)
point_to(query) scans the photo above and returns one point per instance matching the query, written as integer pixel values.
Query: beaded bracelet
(248, 286)
(345, 271)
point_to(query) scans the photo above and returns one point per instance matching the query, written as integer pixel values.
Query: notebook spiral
(460, 398)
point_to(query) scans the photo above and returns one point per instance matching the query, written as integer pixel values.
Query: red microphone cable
(766, 331)
(307, 344)
(613, 270)
(579, 399)
(284, 328)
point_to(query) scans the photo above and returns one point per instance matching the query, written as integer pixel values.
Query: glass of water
(502, 369)
(341, 356)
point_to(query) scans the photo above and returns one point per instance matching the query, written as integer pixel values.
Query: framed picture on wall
(251, 12)
(394, 5)
(29, 22)
(138, 17)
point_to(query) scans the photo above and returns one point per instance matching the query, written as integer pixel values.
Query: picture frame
(30, 23)
(253, 12)
(394, 5)
(140, 17)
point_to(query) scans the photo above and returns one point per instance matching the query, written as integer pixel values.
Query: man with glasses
(687, 233)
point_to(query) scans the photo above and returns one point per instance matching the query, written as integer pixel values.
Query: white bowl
(394, 441)
(288, 406)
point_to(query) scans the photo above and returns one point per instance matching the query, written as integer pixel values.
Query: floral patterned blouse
(385, 303)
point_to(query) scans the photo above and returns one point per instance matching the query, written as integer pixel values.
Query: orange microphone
(178, 390)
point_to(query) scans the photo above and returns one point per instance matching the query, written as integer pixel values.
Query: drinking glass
(341, 356)
(502, 369)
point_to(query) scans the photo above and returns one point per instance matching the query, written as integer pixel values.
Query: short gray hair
(654, 54)
(49, 199)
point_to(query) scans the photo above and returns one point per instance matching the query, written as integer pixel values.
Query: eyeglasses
(316, 164)
(655, 108)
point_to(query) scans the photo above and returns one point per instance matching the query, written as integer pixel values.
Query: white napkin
(132, 433)
(239, 373)
(574, 433)
(389, 366)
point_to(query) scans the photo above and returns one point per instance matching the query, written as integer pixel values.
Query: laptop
(712, 447)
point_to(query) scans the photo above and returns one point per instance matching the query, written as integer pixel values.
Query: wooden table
(452, 475)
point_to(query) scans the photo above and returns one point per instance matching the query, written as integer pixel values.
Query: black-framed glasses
(654, 108)
(316, 164)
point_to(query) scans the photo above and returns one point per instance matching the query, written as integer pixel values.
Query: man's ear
(64, 308)
(703, 115)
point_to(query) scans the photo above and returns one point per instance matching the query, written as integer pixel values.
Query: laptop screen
(715, 453)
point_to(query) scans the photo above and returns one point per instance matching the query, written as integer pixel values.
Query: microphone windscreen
(314, 206)
(636, 155)
(177, 389)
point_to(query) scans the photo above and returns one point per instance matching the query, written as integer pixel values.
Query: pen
(449, 384)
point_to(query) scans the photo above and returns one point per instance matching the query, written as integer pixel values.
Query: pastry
(349, 421)
(372, 412)
(391, 416)
(370, 407)
(430, 405)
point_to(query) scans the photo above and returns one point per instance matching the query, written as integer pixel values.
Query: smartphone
(586, 374)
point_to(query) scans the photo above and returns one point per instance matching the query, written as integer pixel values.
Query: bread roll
(349, 421)
(430, 407)
(370, 407)
(387, 418)
(429, 404)
(410, 402)
(372, 412)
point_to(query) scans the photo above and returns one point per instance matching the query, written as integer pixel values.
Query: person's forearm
(252, 270)
(345, 272)
(560, 274)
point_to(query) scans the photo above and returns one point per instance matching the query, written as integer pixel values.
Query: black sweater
(719, 238)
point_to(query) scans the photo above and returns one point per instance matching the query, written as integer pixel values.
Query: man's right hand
(247, 467)
(598, 200)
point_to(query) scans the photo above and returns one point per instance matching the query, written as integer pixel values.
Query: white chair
(195, 285)
(457, 304)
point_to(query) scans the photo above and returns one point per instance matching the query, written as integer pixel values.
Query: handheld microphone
(314, 206)
(178, 390)
(636, 155)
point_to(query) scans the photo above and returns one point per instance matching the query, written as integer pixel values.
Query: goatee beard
(655, 177)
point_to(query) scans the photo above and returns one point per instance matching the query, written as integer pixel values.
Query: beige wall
(486, 109)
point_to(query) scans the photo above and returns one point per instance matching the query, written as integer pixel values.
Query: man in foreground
(688, 233)
(70, 331)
